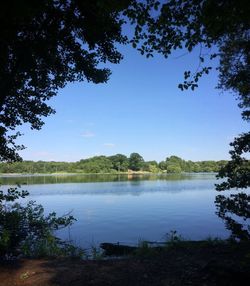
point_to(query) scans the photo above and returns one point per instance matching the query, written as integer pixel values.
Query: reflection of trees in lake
(60, 179)
(137, 186)
(235, 211)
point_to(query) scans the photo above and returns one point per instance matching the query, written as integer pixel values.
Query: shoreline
(96, 174)
(207, 263)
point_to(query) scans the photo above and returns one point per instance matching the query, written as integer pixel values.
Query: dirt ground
(197, 264)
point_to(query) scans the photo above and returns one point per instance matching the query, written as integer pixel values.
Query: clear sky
(139, 110)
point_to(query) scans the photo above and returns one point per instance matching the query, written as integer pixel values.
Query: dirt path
(182, 265)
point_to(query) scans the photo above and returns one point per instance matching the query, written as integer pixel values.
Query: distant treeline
(113, 164)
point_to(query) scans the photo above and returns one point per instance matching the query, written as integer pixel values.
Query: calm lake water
(123, 208)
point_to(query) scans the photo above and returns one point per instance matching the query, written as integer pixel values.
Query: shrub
(26, 230)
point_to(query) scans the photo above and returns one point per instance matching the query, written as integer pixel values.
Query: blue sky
(139, 110)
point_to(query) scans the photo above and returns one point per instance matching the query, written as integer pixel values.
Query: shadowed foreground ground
(185, 264)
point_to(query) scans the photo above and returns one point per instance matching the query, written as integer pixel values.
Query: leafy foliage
(45, 45)
(220, 29)
(235, 209)
(120, 162)
(26, 230)
(135, 162)
(113, 164)
(97, 164)
(237, 171)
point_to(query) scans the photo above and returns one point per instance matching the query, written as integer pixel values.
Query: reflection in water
(109, 185)
(117, 208)
(88, 178)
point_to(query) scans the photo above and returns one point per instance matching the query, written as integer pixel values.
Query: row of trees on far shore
(113, 164)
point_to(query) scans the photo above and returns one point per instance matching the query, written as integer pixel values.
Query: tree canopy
(135, 162)
(118, 163)
(44, 45)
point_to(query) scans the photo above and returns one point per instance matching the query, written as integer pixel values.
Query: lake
(125, 208)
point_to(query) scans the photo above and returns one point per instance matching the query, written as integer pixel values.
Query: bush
(26, 230)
